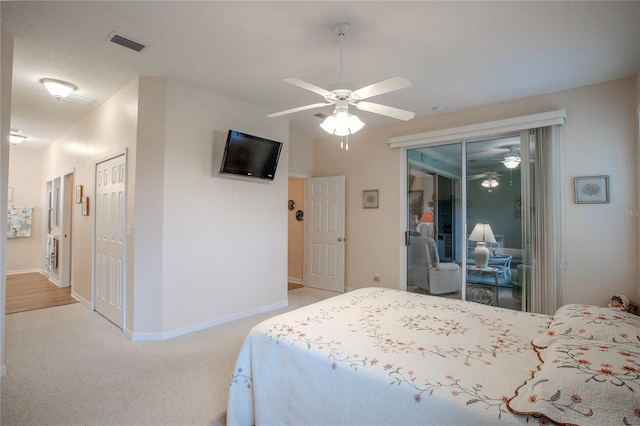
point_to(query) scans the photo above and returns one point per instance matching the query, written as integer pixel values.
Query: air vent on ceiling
(125, 42)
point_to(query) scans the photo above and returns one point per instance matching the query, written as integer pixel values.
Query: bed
(383, 356)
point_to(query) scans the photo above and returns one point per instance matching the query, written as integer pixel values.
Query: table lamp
(482, 234)
(427, 219)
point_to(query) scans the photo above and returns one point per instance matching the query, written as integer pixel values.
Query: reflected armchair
(427, 272)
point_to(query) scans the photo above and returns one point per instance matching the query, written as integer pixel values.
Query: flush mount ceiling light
(15, 138)
(57, 88)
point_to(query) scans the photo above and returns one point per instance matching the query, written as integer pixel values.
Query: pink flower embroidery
(576, 399)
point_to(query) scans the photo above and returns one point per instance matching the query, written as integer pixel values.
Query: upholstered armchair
(427, 272)
(443, 277)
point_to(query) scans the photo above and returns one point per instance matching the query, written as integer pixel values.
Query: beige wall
(108, 129)
(26, 254)
(196, 255)
(296, 232)
(300, 153)
(600, 137)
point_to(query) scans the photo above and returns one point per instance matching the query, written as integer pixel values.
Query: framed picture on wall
(78, 194)
(592, 189)
(370, 199)
(85, 206)
(415, 203)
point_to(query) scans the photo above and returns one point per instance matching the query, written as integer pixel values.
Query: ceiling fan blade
(302, 108)
(397, 113)
(307, 86)
(384, 86)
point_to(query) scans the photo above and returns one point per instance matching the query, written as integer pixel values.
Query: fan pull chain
(344, 145)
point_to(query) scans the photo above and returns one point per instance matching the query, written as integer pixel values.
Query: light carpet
(69, 366)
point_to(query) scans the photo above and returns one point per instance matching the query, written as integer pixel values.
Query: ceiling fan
(341, 122)
(485, 175)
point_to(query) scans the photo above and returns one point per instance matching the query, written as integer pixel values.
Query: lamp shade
(482, 233)
(427, 217)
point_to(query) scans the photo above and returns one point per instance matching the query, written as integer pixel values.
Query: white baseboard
(137, 337)
(24, 271)
(295, 281)
(84, 302)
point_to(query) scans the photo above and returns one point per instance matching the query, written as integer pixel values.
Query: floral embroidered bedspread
(381, 356)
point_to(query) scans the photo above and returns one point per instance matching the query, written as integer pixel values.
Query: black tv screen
(249, 155)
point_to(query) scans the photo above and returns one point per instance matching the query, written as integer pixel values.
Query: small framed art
(85, 206)
(592, 189)
(370, 199)
(78, 194)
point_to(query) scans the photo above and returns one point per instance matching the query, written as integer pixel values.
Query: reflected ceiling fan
(341, 122)
(485, 175)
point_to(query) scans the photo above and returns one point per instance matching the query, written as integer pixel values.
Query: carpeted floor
(69, 366)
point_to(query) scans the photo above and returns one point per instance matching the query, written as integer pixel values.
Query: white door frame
(124, 234)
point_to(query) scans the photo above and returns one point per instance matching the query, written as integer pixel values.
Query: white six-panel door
(325, 236)
(110, 239)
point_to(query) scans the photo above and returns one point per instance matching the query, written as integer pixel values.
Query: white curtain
(542, 219)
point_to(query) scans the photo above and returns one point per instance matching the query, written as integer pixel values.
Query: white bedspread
(381, 356)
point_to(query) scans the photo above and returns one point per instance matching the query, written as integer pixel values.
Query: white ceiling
(456, 54)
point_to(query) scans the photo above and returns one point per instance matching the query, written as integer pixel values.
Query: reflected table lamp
(426, 220)
(482, 234)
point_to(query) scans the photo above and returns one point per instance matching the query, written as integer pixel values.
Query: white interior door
(66, 207)
(325, 236)
(110, 239)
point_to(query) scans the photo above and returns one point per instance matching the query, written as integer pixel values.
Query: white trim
(3, 370)
(138, 337)
(479, 130)
(25, 271)
(84, 302)
(54, 280)
(295, 280)
(299, 175)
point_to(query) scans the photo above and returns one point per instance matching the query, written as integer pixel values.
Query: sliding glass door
(435, 221)
(465, 221)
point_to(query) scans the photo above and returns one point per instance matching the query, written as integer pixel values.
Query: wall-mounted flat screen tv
(249, 155)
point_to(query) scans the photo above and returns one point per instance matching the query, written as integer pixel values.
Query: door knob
(339, 239)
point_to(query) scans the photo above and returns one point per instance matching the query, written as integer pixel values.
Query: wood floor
(26, 292)
(292, 286)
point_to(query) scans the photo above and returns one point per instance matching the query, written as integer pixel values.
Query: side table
(488, 270)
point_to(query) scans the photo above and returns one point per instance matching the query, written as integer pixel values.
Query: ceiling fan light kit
(342, 122)
(57, 88)
(511, 161)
